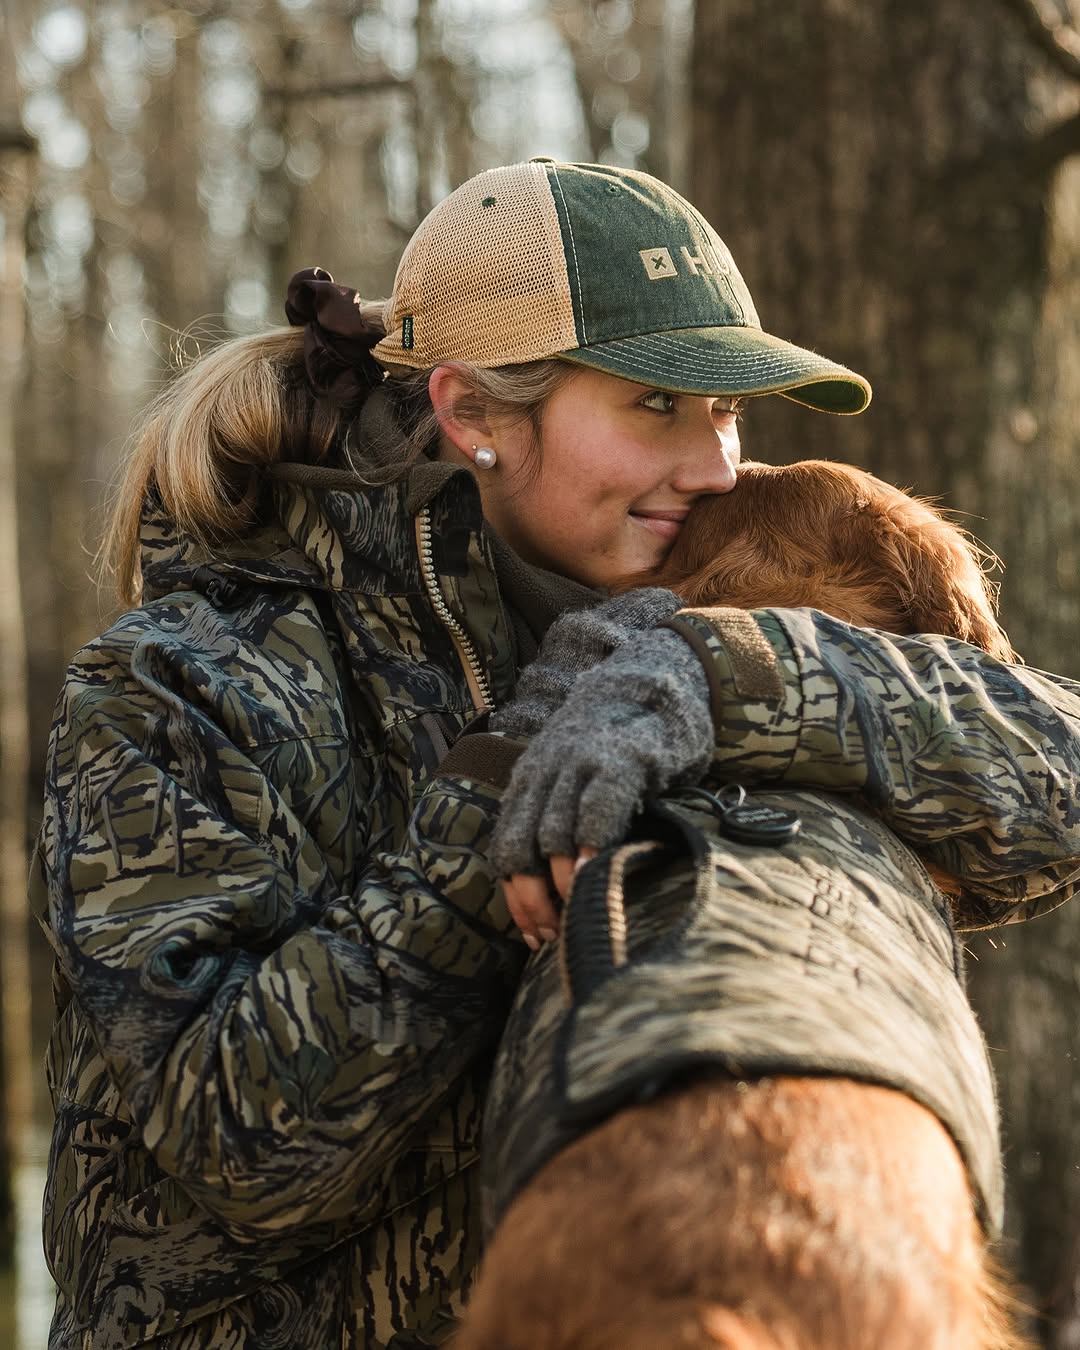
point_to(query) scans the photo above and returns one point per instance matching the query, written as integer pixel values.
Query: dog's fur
(836, 538)
(792, 1213)
(786, 1214)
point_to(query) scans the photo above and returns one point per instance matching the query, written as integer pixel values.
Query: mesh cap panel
(484, 277)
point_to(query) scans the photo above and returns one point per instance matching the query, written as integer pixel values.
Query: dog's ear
(941, 573)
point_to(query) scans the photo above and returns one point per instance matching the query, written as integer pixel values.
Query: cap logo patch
(657, 263)
(407, 333)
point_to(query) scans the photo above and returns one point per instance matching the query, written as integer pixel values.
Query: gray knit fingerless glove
(635, 725)
(573, 644)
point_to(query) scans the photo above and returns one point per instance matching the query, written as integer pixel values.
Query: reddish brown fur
(791, 1214)
(839, 539)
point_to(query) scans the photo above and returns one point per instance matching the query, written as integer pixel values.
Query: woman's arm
(971, 761)
(277, 1035)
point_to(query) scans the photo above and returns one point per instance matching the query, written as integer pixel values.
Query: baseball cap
(602, 266)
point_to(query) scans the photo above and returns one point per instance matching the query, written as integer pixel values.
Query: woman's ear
(462, 427)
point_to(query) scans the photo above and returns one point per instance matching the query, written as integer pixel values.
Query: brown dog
(835, 538)
(840, 540)
(788, 1213)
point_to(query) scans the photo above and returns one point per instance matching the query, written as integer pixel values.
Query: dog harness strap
(594, 939)
(595, 936)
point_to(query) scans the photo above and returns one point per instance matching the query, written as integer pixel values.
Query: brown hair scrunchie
(337, 339)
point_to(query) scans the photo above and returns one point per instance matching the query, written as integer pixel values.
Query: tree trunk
(16, 164)
(889, 181)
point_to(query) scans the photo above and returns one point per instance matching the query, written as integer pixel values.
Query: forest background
(898, 179)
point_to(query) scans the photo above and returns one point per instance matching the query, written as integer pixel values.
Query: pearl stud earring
(484, 457)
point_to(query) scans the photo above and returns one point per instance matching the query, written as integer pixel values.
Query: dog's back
(786, 1214)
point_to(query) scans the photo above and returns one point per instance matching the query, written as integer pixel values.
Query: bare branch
(1057, 40)
(341, 89)
(427, 115)
(1011, 166)
(16, 138)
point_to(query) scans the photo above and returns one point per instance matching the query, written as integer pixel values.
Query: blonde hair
(205, 442)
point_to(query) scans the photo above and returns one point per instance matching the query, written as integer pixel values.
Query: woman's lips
(666, 524)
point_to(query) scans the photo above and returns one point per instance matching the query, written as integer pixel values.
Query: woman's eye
(659, 401)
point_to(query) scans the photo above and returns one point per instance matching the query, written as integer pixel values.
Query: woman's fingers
(528, 898)
(562, 873)
(532, 909)
(564, 869)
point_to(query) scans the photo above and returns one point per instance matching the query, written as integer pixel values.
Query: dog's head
(836, 538)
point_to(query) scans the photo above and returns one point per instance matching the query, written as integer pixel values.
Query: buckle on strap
(594, 943)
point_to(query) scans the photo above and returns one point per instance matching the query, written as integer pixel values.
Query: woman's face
(619, 467)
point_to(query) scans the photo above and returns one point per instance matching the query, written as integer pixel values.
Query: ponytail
(205, 441)
(204, 444)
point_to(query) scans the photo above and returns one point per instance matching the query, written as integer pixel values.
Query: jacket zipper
(478, 680)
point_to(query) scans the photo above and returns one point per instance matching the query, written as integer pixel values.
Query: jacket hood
(326, 528)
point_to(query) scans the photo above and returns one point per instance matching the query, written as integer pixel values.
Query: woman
(280, 964)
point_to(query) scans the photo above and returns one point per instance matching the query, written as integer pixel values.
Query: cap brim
(728, 360)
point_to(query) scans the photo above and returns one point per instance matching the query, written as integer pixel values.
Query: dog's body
(783, 1214)
(769, 1213)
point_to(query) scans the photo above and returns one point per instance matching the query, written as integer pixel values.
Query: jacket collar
(327, 528)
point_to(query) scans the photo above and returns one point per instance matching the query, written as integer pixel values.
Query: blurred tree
(16, 174)
(16, 165)
(899, 186)
(629, 58)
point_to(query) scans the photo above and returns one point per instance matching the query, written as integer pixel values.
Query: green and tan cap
(603, 266)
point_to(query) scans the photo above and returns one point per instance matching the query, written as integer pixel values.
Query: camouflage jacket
(281, 962)
(277, 983)
(974, 763)
(686, 951)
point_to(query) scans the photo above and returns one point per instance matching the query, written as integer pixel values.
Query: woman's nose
(709, 461)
